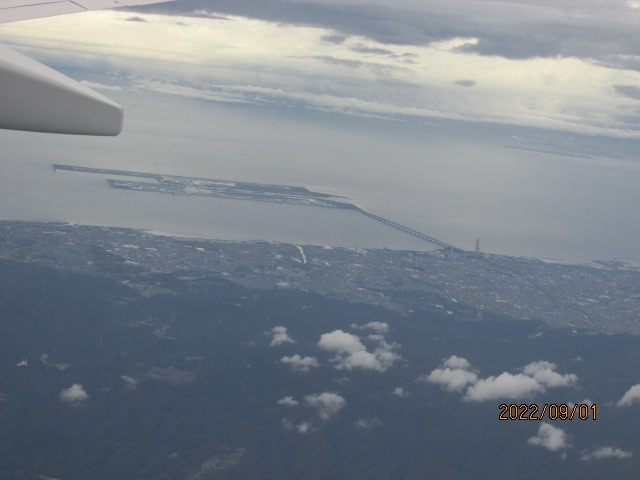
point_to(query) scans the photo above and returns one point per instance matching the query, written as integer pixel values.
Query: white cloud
(606, 452)
(303, 427)
(288, 401)
(457, 362)
(351, 353)
(327, 403)
(505, 385)
(74, 394)
(340, 341)
(400, 392)
(299, 363)
(23, 363)
(379, 327)
(453, 380)
(545, 374)
(131, 382)
(550, 437)
(368, 423)
(456, 375)
(630, 397)
(586, 401)
(280, 336)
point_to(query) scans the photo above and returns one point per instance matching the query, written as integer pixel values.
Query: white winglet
(37, 98)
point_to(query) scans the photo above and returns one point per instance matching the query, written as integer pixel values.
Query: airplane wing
(36, 98)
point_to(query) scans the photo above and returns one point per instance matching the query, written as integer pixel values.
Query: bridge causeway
(408, 230)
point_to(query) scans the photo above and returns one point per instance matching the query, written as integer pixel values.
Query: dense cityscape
(601, 297)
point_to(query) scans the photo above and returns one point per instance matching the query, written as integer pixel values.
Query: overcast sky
(565, 65)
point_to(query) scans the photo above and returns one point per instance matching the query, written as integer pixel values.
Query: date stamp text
(549, 411)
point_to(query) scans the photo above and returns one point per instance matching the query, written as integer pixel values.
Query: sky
(513, 122)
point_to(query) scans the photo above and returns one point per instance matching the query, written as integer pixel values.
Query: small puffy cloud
(351, 353)
(505, 385)
(457, 362)
(630, 397)
(327, 403)
(545, 374)
(300, 363)
(606, 452)
(452, 379)
(368, 423)
(400, 392)
(378, 327)
(136, 18)
(288, 401)
(23, 363)
(339, 341)
(303, 427)
(131, 382)
(74, 394)
(550, 437)
(280, 336)
(455, 375)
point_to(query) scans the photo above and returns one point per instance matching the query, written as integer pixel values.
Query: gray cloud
(302, 427)
(299, 363)
(591, 29)
(338, 61)
(327, 403)
(136, 18)
(335, 39)
(465, 83)
(370, 50)
(630, 91)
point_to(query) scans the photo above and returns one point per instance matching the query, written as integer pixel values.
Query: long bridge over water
(410, 231)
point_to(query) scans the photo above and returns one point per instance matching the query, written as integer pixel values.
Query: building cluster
(602, 297)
